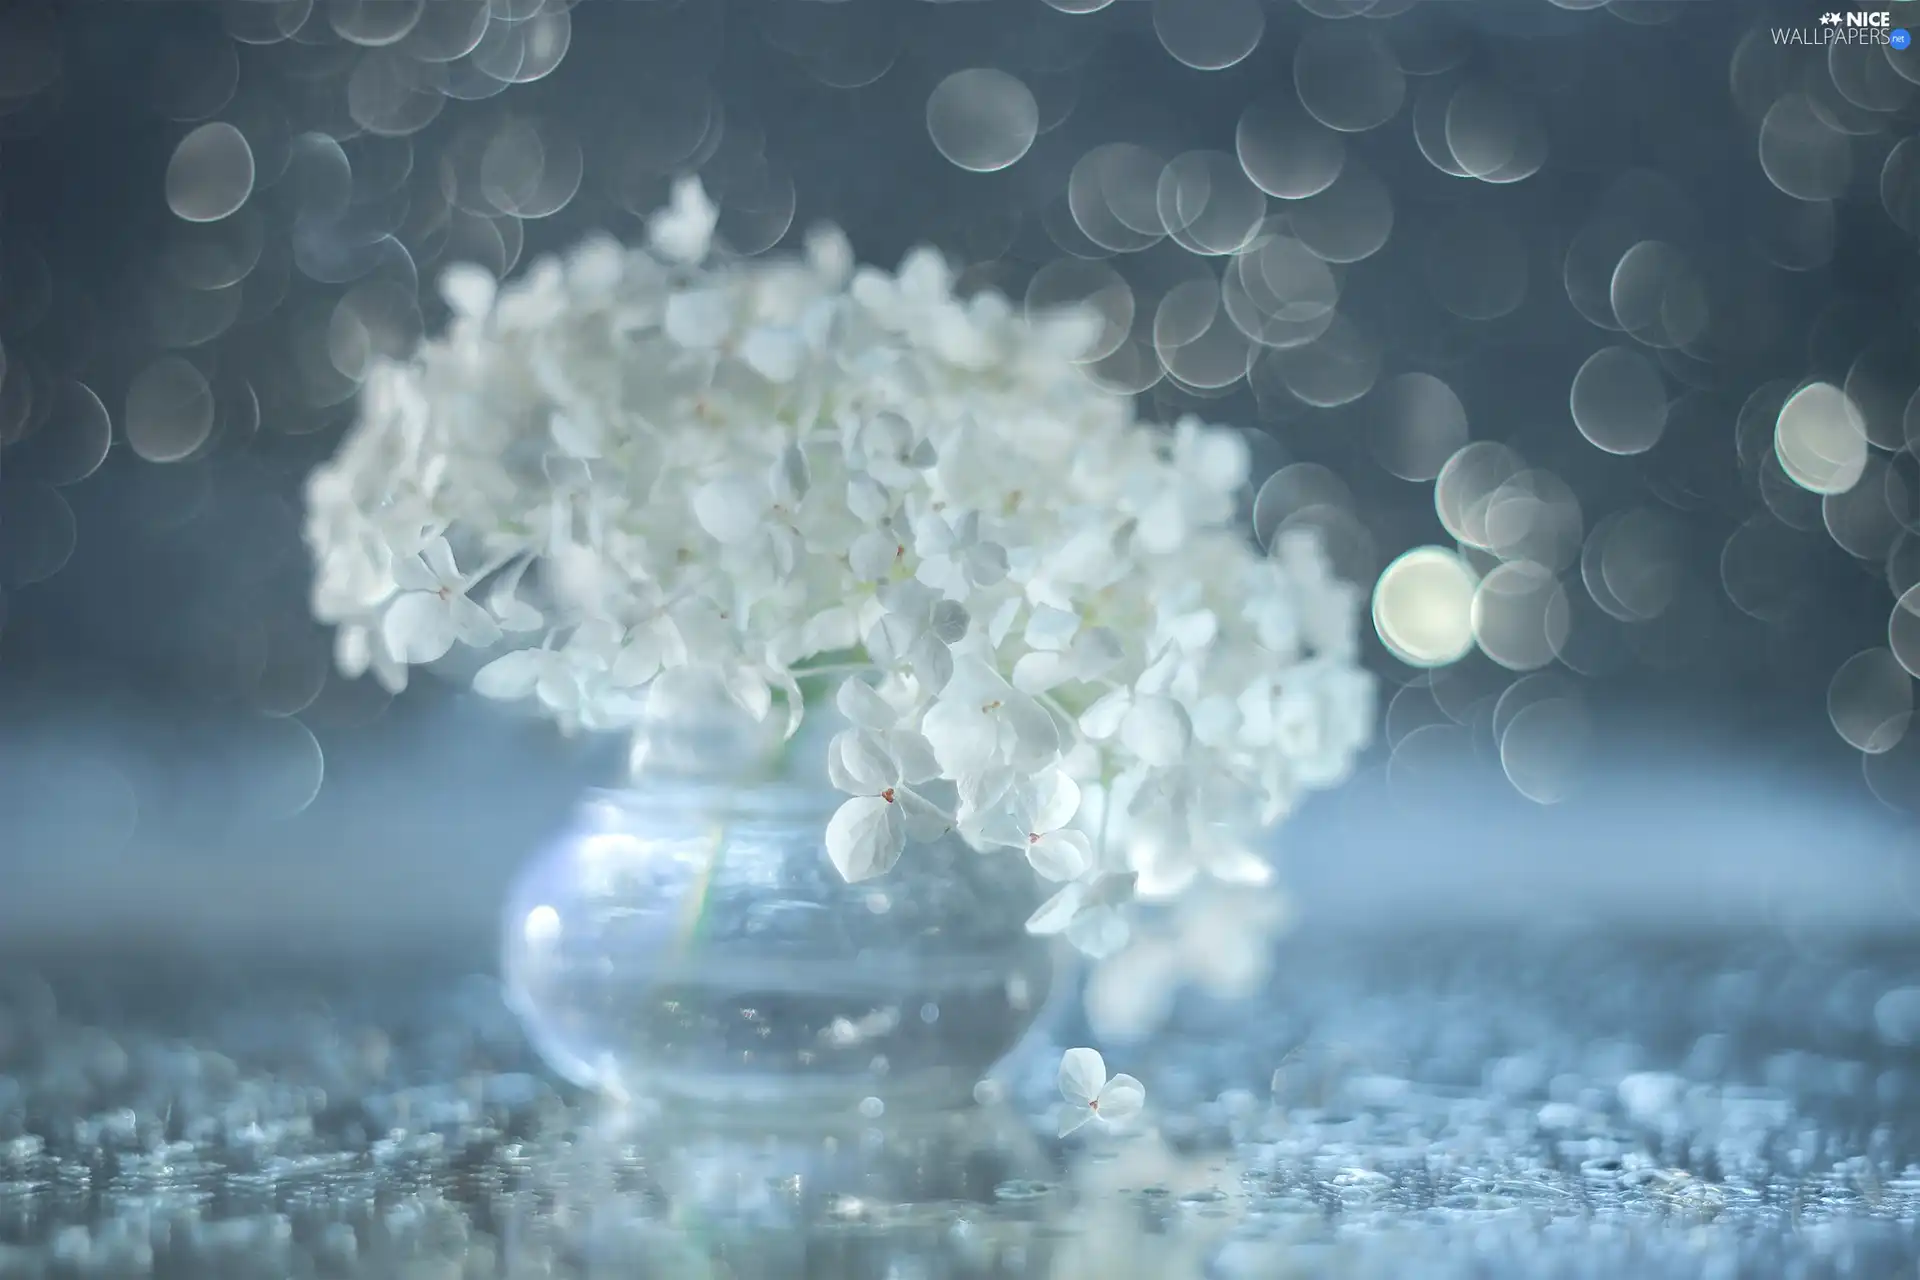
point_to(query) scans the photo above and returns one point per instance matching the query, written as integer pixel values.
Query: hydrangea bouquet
(1049, 632)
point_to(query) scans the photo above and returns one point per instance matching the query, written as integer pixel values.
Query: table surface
(1434, 1106)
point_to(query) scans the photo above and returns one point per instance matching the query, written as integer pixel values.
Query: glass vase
(687, 942)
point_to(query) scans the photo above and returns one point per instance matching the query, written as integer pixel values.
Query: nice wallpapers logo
(1856, 26)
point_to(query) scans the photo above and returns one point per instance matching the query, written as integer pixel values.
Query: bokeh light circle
(982, 119)
(1423, 607)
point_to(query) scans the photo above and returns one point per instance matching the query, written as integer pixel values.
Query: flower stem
(831, 669)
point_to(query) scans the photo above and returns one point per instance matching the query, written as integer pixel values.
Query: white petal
(964, 738)
(785, 547)
(1002, 621)
(1195, 631)
(863, 706)
(925, 276)
(1112, 888)
(1057, 912)
(750, 692)
(910, 600)
(1098, 933)
(838, 774)
(1157, 730)
(637, 662)
(867, 499)
(698, 319)
(866, 762)
(1121, 1099)
(913, 756)
(438, 556)
(576, 435)
(889, 639)
(558, 689)
(830, 255)
(1160, 673)
(1096, 651)
(1103, 719)
(931, 662)
(1051, 628)
(774, 354)
(948, 620)
(511, 675)
(683, 231)
(1056, 799)
(417, 628)
(468, 289)
(966, 530)
(410, 573)
(997, 825)
(730, 509)
(1083, 1073)
(1074, 1117)
(791, 476)
(1060, 855)
(472, 624)
(986, 790)
(885, 435)
(830, 629)
(987, 564)
(872, 555)
(943, 574)
(353, 651)
(596, 643)
(391, 674)
(1036, 736)
(925, 820)
(1163, 872)
(864, 838)
(1042, 670)
(1231, 862)
(515, 614)
(795, 700)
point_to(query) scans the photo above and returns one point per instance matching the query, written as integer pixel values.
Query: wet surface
(1447, 1107)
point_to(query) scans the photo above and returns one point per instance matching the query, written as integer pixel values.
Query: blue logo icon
(1899, 38)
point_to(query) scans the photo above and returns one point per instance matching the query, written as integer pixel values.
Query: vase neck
(704, 748)
(706, 739)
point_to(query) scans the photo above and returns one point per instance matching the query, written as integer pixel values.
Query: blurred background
(1610, 306)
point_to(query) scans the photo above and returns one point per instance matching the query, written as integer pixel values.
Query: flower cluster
(662, 460)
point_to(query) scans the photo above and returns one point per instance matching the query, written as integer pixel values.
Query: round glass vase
(687, 942)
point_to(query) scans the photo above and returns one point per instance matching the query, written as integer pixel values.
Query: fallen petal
(1083, 1073)
(1122, 1099)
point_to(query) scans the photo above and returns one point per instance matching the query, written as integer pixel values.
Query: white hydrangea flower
(867, 834)
(432, 611)
(664, 460)
(1091, 1095)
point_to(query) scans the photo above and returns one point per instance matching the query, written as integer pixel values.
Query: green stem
(815, 685)
(832, 669)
